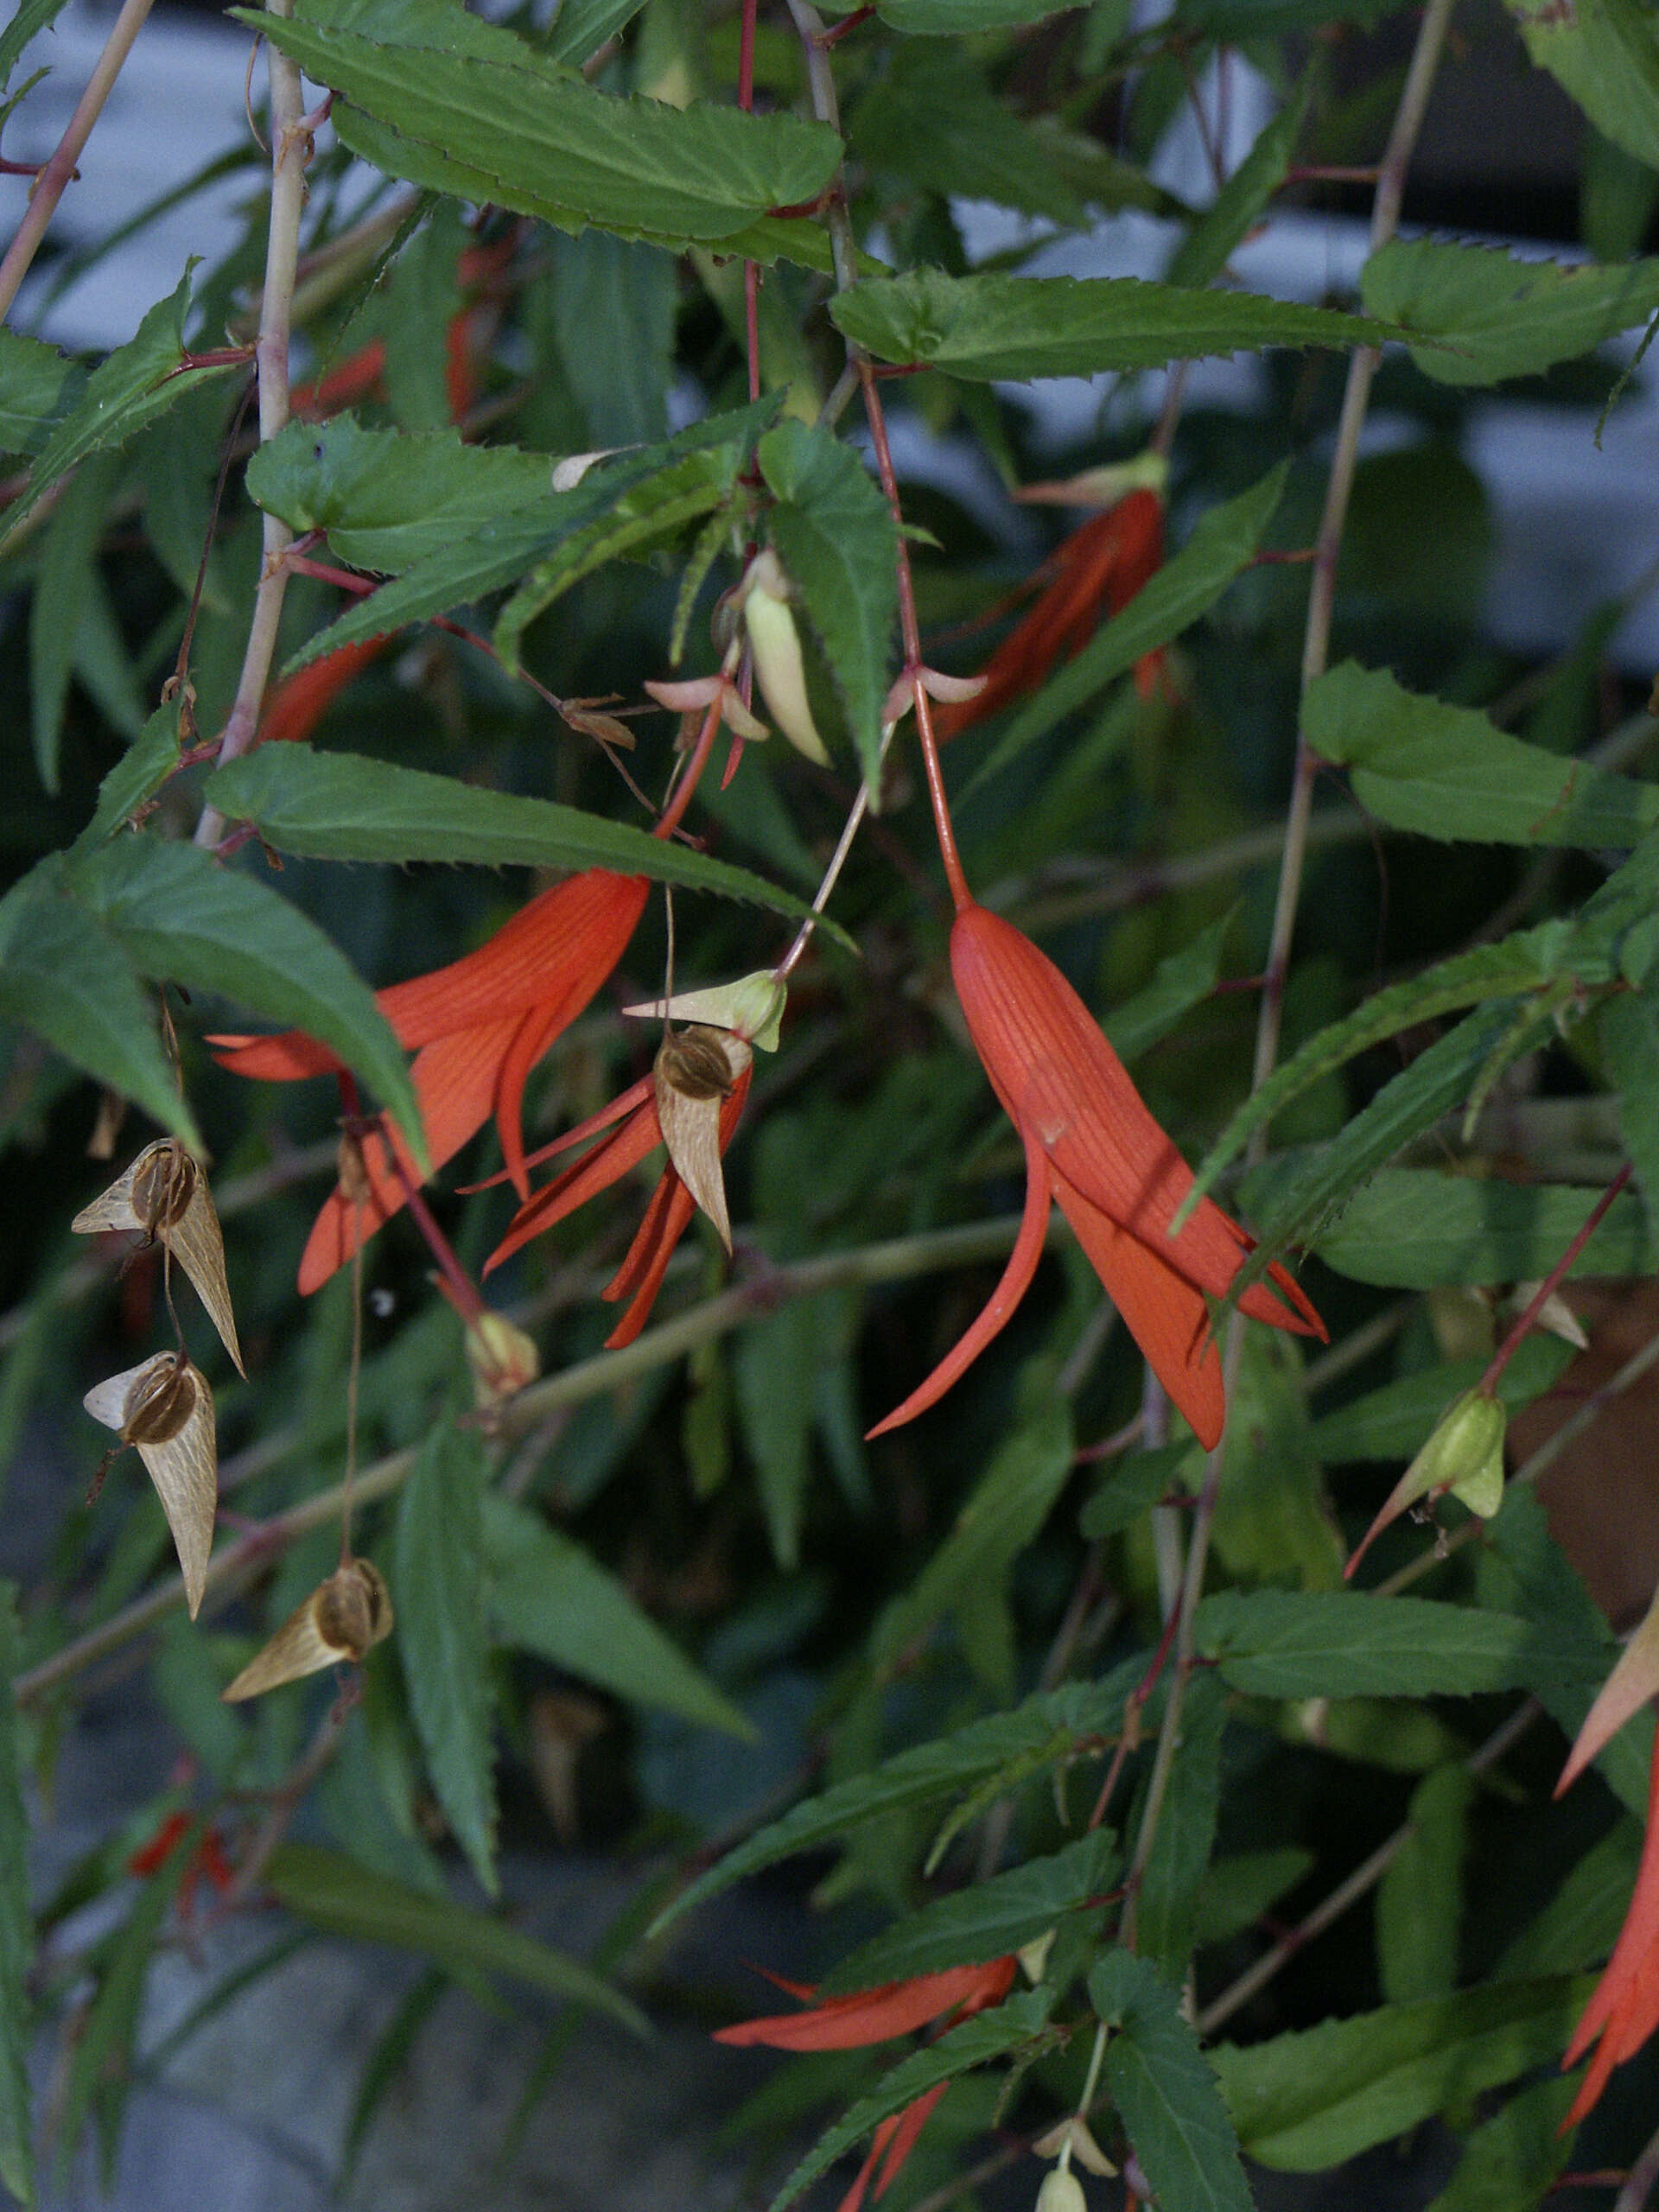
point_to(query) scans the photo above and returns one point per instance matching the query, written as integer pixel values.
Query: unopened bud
(1061, 2192)
(1464, 1455)
(503, 1360)
(776, 645)
(751, 1007)
(1034, 1957)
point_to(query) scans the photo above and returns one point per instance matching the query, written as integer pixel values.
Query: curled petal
(606, 1164)
(1624, 2009)
(1015, 1282)
(872, 2014)
(1634, 1680)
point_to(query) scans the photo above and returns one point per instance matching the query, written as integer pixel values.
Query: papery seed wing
(689, 1116)
(185, 1470)
(106, 1402)
(336, 1625)
(196, 1239)
(111, 1208)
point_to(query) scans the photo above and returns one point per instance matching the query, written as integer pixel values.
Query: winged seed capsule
(342, 1619)
(164, 1195)
(696, 1072)
(164, 1409)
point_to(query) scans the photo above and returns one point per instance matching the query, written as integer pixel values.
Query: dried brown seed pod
(338, 1624)
(694, 1073)
(164, 1195)
(164, 1408)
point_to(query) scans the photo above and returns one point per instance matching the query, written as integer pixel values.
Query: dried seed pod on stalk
(342, 1619)
(165, 1410)
(164, 1194)
(695, 1073)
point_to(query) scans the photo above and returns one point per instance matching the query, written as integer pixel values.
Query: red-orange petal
(1625, 2008)
(455, 1082)
(286, 1058)
(1167, 1317)
(297, 704)
(1012, 1287)
(1057, 1077)
(607, 1163)
(865, 2015)
(563, 944)
(668, 1216)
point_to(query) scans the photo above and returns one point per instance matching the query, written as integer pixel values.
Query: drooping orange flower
(1091, 1145)
(1624, 2009)
(1099, 569)
(871, 2016)
(477, 1027)
(296, 705)
(636, 1131)
(208, 1861)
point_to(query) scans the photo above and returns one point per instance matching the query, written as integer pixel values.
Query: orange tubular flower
(1103, 563)
(1624, 2011)
(636, 1131)
(477, 1027)
(871, 2016)
(1092, 1144)
(298, 703)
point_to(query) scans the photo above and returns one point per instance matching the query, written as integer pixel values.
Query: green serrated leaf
(1173, 1879)
(468, 557)
(438, 1588)
(32, 16)
(613, 310)
(1395, 1421)
(1022, 2020)
(836, 535)
(1007, 1507)
(1511, 2161)
(1628, 1028)
(335, 1894)
(62, 976)
(959, 18)
(339, 806)
(1222, 544)
(1410, 1227)
(1605, 52)
(16, 1932)
(1210, 245)
(548, 1596)
(387, 499)
(491, 112)
(1477, 314)
(1307, 2101)
(579, 28)
(653, 513)
(1164, 2090)
(38, 387)
(67, 569)
(932, 117)
(1547, 1587)
(1579, 1926)
(181, 919)
(1448, 772)
(127, 389)
(135, 778)
(986, 1921)
(1045, 1730)
(1018, 327)
(1350, 1643)
(1135, 1486)
(1420, 1898)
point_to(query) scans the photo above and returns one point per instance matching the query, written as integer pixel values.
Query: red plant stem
(1550, 1284)
(674, 811)
(464, 1293)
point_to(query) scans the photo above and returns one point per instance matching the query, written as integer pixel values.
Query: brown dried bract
(695, 1073)
(164, 1408)
(338, 1625)
(164, 1196)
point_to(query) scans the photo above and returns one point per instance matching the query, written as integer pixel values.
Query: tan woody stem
(291, 149)
(50, 184)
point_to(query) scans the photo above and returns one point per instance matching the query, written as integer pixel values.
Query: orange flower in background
(295, 706)
(636, 1131)
(1099, 569)
(1624, 2009)
(477, 1027)
(1091, 1145)
(871, 2016)
(208, 1861)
